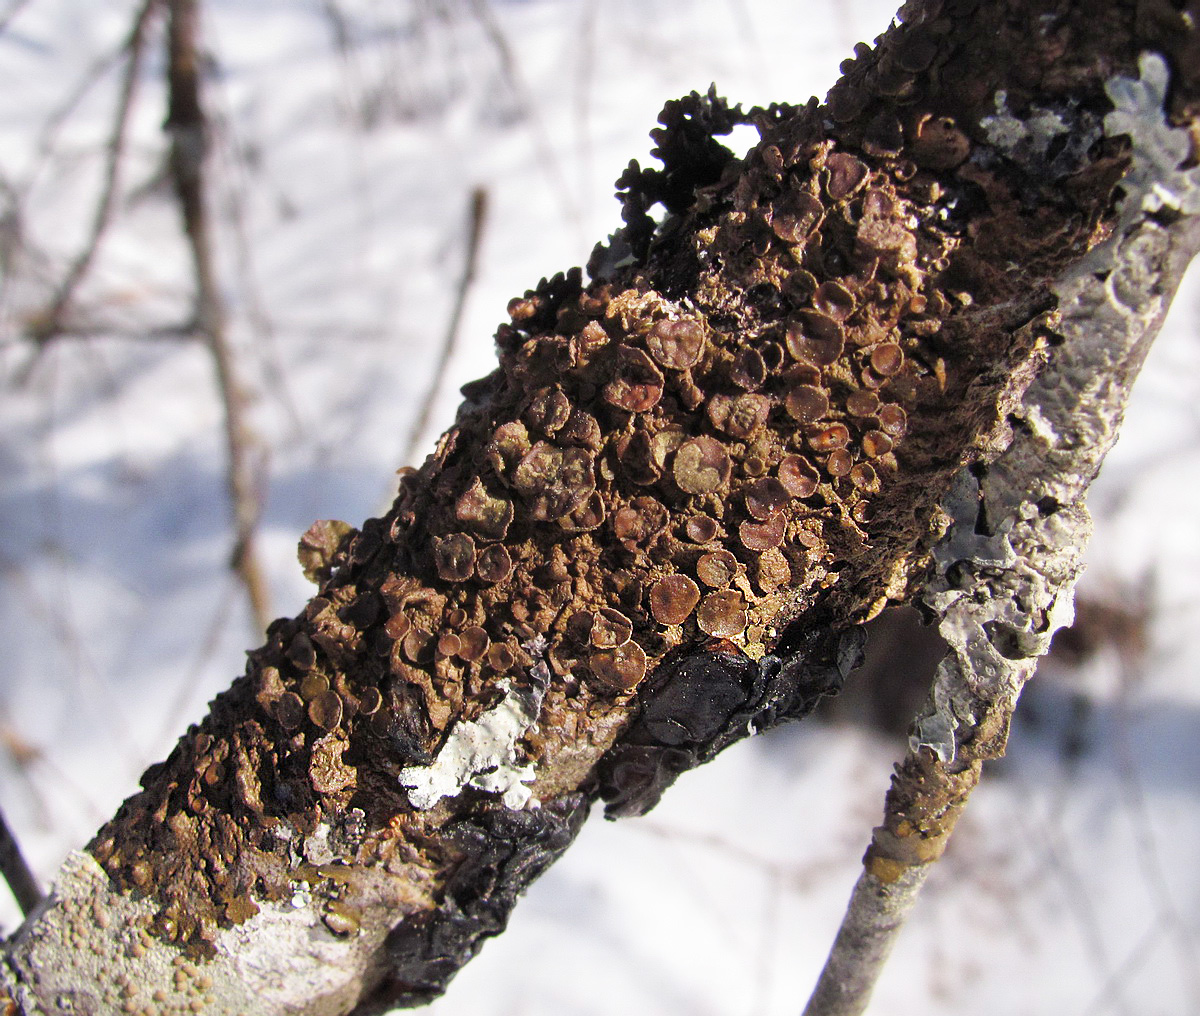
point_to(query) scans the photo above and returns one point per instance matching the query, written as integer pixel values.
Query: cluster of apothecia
(639, 474)
(646, 470)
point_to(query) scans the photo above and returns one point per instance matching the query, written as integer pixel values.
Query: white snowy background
(350, 137)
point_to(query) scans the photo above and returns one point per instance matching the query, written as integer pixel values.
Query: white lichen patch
(317, 848)
(481, 754)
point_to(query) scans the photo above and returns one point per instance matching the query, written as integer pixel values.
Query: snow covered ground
(352, 134)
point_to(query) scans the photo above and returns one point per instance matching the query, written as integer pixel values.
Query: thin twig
(864, 941)
(84, 330)
(1125, 970)
(28, 760)
(12, 238)
(88, 80)
(259, 320)
(188, 128)
(54, 609)
(1056, 861)
(416, 434)
(50, 322)
(1149, 859)
(190, 678)
(16, 870)
(339, 27)
(510, 69)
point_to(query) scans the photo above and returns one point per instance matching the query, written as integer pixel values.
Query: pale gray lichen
(934, 729)
(1154, 179)
(1050, 143)
(999, 613)
(1009, 133)
(481, 754)
(963, 540)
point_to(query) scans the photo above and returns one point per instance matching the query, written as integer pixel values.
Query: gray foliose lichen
(1007, 564)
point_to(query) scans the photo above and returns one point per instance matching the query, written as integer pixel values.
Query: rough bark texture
(1004, 573)
(652, 530)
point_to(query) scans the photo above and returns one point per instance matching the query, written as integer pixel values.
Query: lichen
(1155, 179)
(999, 614)
(1031, 137)
(481, 754)
(747, 416)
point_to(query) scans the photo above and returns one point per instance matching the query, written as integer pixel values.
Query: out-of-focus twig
(95, 71)
(29, 759)
(49, 323)
(255, 313)
(16, 870)
(416, 434)
(188, 129)
(14, 8)
(12, 239)
(510, 69)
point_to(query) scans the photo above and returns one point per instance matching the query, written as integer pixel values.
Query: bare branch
(50, 323)
(511, 71)
(864, 942)
(189, 130)
(16, 870)
(417, 433)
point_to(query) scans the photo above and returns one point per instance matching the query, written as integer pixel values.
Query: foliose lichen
(1155, 179)
(1033, 493)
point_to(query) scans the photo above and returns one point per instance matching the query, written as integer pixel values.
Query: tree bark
(1004, 573)
(659, 524)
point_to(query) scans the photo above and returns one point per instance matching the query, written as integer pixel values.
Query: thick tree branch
(657, 525)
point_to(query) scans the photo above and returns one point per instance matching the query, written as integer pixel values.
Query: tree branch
(52, 322)
(16, 870)
(1018, 524)
(188, 127)
(478, 214)
(658, 525)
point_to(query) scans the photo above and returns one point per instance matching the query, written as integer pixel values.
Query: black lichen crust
(503, 852)
(702, 702)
